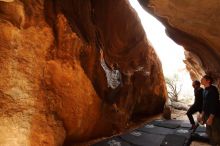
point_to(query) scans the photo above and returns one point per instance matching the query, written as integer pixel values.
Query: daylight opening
(171, 55)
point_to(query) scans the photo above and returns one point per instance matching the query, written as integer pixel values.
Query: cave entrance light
(170, 54)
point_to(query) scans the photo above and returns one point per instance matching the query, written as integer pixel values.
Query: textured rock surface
(7, 0)
(195, 26)
(53, 88)
(24, 115)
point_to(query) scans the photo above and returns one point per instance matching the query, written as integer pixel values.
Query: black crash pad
(174, 121)
(200, 136)
(150, 128)
(112, 142)
(185, 125)
(166, 124)
(201, 129)
(183, 132)
(143, 139)
(173, 140)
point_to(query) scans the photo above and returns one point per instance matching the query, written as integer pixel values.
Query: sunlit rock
(7, 0)
(53, 89)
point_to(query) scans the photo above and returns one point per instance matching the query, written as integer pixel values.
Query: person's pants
(192, 110)
(113, 95)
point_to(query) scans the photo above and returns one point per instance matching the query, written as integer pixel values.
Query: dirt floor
(178, 114)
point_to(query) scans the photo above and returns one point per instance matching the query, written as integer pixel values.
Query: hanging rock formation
(195, 26)
(53, 89)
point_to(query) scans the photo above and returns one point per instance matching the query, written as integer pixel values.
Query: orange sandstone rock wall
(53, 88)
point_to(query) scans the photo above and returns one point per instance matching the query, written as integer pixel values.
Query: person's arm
(210, 120)
(120, 79)
(103, 64)
(213, 99)
(200, 118)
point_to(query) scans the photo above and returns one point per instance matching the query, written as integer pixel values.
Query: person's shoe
(192, 127)
(195, 127)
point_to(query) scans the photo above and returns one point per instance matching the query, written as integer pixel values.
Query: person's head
(206, 80)
(114, 66)
(196, 84)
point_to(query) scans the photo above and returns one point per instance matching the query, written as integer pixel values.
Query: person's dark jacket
(198, 102)
(210, 100)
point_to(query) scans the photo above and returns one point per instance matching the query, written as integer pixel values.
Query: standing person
(209, 114)
(114, 80)
(197, 105)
